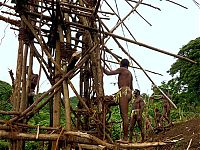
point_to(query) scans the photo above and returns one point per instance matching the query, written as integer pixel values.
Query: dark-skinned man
(136, 115)
(124, 95)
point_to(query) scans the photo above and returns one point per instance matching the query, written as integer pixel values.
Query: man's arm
(142, 104)
(112, 72)
(131, 83)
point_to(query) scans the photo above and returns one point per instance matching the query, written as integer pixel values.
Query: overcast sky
(172, 27)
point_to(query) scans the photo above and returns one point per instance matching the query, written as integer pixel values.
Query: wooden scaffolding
(68, 39)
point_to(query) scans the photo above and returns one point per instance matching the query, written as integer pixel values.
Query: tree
(186, 76)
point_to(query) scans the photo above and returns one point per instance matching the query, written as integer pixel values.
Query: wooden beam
(150, 47)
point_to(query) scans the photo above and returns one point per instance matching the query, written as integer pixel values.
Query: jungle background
(184, 89)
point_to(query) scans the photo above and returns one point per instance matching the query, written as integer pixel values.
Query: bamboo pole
(65, 84)
(24, 101)
(57, 96)
(150, 47)
(67, 106)
(16, 93)
(95, 62)
(16, 97)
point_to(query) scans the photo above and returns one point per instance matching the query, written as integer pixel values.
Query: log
(96, 147)
(9, 112)
(77, 137)
(91, 137)
(70, 137)
(142, 145)
(29, 137)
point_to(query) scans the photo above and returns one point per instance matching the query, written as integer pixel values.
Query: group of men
(125, 95)
(125, 85)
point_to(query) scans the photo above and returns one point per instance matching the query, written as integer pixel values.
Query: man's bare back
(125, 78)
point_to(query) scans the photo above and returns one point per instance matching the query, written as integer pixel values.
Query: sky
(170, 29)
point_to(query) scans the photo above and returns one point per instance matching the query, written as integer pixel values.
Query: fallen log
(142, 145)
(96, 147)
(70, 137)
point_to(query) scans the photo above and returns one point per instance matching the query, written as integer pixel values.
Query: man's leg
(139, 121)
(166, 114)
(132, 124)
(123, 104)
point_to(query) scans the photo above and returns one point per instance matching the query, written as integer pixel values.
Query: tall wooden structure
(68, 39)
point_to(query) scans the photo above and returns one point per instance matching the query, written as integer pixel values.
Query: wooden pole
(24, 101)
(57, 96)
(150, 47)
(65, 84)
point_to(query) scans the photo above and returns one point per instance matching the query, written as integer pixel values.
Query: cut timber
(143, 145)
(70, 137)
(96, 147)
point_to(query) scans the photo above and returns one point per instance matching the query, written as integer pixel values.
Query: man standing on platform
(124, 95)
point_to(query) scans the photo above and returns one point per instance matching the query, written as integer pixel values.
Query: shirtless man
(136, 115)
(34, 80)
(166, 107)
(157, 118)
(148, 123)
(125, 85)
(166, 110)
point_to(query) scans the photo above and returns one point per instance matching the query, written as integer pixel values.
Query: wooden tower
(68, 39)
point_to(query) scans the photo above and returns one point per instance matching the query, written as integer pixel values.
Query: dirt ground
(183, 133)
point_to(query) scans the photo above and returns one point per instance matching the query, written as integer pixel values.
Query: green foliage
(35, 145)
(186, 75)
(5, 93)
(42, 117)
(4, 145)
(74, 102)
(116, 122)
